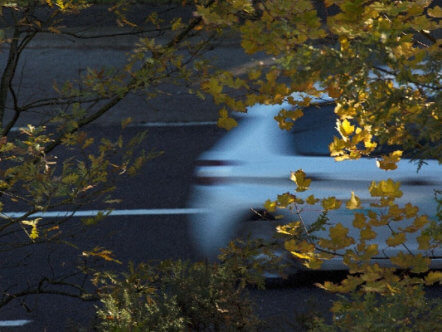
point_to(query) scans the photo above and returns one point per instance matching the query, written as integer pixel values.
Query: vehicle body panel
(256, 166)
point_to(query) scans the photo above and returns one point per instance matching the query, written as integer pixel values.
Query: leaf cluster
(407, 310)
(174, 296)
(380, 297)
(378, 60)
(55, 163)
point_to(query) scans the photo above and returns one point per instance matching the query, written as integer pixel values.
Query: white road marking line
(160, 124)
(92, 213)
(12, 323)
(175, 124)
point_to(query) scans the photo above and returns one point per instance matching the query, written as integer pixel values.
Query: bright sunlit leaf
(354, 202)
(389, 162)
(300, 179)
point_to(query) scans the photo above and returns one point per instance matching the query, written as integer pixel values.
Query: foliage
(381, 297)
(359, 243)
(408, 310)
(379, 63)
(252, 259)
(53, 163)
(175, 296)
(149, 2)
(378, 60)
(131, 303)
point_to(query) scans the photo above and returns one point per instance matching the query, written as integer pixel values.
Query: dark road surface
(163, 183)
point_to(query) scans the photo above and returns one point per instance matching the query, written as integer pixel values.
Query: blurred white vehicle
(252, 163)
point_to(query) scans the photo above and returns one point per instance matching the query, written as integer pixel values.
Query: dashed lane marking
(161, 124)
(92, 213)
(14, 323)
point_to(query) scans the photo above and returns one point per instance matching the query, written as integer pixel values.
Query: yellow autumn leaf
(311, 200)
(372, 273)
(302, 250)
(388, 188)
(301, 255)
(395, 213)
(396, 239)
(254, 74)
(125, 122)
(424, 241)
(410, 210)
(285, 200)
(420, 263)
(304, 86)
(223, 113)
(33, 235)
(368, 233)
(338, 238)
(331, 203)
(177, 24)
(294, 114)
(289, 245)
(336, 147)
(345, 128)
(60, 4)
(370, 251)
(306, 246)
(270, 206)
(344, 43)
(359, 220)
(227, 123)
(329, 3)
(402, 260)
(436, 12)
(301, 181)
(347, 285)
(289, 229)
(333, 91)
(354, 202)
(213, 87)
(283, 123)
(433, 277)
(389, 162)
(417, 225)
(328, 286)
(87, 142)
(421, 221)
(102, 253)
(313, 263)
(54, 30)
(369, 144)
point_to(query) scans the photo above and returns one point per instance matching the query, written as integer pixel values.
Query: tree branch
(110, 35)
(8, 73)
(133, 82)
(18, 49)
(41, 290)
(59, 101)
(392, 73)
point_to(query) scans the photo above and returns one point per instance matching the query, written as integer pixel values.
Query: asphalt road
(47, 63)
(163, 183)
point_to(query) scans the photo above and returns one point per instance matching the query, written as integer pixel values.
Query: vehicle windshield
(313, 133)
